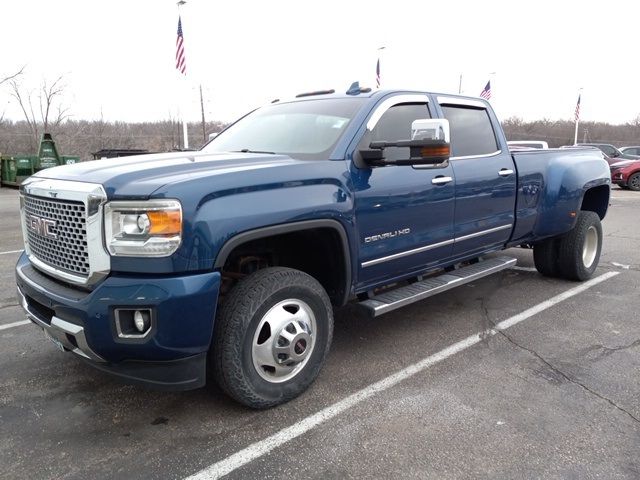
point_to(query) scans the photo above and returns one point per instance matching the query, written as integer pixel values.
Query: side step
(385, 302)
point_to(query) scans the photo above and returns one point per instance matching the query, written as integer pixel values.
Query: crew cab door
(404, 214)
(485, 177)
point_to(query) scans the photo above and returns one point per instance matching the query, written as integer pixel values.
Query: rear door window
(471, 131)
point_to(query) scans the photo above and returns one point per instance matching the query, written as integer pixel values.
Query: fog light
(141, 320)
(134, 323)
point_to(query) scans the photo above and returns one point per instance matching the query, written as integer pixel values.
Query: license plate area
(55, 341)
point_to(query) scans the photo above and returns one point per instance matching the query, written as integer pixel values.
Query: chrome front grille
(62, 229)
(57, 233)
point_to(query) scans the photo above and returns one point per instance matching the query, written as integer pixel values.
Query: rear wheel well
(319, 252)
(596, 200)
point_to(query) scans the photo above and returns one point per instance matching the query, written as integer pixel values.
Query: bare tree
(11, 77)
(48, 102)
(7, 79)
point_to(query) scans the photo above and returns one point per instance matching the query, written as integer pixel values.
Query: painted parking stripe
(14, 324)
(524, 269)
(263, 447)
(10, 251)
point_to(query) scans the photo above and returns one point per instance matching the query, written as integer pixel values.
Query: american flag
(486, 93)
(181, 61)
(577, 114)
(378, 74)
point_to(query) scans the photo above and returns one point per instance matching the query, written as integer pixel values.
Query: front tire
(634, 182)
(272, 336)
(579, 250)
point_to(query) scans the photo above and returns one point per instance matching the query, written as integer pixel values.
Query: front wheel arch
(337, 283)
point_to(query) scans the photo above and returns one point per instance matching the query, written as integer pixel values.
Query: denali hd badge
(387, 235)
(42, 226)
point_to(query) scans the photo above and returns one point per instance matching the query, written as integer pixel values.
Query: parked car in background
(635, 150)
(611, 151)
(527, 144)
(626, 175)
(610, 160)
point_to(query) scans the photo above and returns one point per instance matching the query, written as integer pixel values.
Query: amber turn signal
(165, 222)
(435, 151)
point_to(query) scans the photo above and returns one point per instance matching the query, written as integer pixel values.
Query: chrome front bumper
(67, 334)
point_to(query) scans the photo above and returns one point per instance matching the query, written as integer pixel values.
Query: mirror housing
(372, 156)
(429, 145)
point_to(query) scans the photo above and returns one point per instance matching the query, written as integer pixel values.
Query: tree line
(85, 137)
(561, 132)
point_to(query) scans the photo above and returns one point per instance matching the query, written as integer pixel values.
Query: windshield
(307, 130)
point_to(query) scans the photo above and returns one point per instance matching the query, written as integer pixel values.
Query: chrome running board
(399, 297)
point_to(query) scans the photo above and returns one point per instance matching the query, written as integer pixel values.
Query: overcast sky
(118, 56)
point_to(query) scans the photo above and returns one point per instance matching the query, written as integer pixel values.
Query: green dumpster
(48, 154)
(70, 159)
(15, 169)
(7, 170)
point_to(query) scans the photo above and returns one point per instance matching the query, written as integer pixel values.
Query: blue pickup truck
(227, 263)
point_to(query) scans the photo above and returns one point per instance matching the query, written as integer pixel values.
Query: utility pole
(204, 130)
(460, 85)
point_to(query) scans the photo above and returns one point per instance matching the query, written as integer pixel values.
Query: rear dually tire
(579, 250)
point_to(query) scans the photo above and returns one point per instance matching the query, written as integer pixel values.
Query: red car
(626, 174)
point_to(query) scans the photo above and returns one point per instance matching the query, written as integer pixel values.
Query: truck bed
(549, 186)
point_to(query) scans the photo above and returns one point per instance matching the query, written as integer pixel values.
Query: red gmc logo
(41, 226)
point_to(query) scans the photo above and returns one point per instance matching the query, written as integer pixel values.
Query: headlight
(151, 228)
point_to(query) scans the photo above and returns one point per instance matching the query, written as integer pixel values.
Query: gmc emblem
(42, 226)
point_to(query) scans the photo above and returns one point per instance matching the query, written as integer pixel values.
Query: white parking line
(14, 324)
(258, 449)
(10, 251)
(524, 269)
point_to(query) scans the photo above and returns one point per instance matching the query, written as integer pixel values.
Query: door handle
(505, 172)
(441, 180)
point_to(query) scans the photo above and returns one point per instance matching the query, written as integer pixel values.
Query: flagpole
(185, 131)
(492, 79)
(378, 75)
(204, 128)
(577, 117)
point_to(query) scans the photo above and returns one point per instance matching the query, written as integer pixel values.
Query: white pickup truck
(527, 144)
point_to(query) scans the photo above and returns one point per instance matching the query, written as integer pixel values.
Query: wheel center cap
(297, 350)
(300, 346)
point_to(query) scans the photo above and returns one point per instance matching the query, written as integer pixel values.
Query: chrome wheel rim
(284, 341)
(635, 181)
(590, 247)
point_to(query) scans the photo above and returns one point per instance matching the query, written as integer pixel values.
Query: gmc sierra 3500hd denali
(230, 260)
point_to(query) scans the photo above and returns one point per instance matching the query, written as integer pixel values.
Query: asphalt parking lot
(556, 395)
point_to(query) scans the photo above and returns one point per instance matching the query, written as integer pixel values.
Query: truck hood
(139, 176)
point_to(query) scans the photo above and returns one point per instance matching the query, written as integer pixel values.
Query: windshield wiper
(247, 150)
